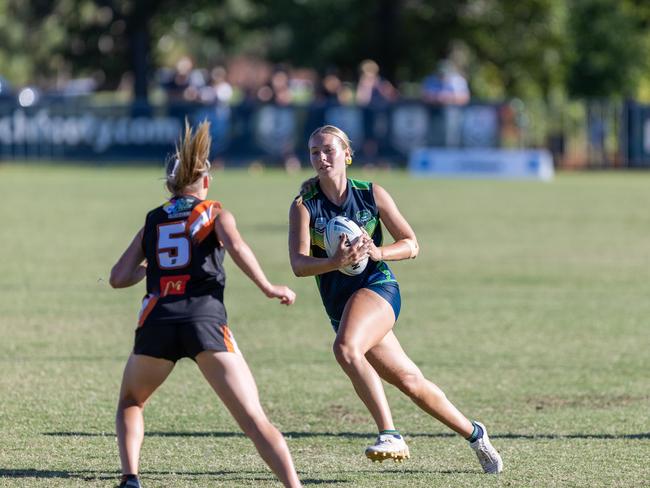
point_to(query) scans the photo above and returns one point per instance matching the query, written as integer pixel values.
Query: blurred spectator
(329, 88)
(218, 90)
(301, 85)
(280, 85)
(178, 80)
(184, 83)
(333, 91)
(372, 90)
(197, 86)
(371, 87)
(276, 90)
(346, 93)
(446, 86)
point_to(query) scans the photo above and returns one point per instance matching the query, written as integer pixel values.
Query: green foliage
(608, 55)
(528, 305)
(519, 46)
(524, 48)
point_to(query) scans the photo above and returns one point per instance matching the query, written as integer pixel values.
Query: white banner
(525, 164)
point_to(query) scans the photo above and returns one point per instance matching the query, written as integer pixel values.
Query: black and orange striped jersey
(185, 274)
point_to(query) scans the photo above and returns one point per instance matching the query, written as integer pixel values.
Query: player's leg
(232, 380)
(142, 375)
(367, 318)
(394, 366)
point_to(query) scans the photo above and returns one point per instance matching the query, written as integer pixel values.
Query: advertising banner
(77, 130)
(531, 164)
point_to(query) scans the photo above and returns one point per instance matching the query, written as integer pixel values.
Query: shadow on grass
(45, 473)
(364, 435)
(104, 475)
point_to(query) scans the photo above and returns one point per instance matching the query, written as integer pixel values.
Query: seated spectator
(446, 86)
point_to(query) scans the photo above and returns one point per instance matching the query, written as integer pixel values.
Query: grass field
(529, 305)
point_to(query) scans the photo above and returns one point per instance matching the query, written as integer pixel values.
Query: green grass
(528, 305)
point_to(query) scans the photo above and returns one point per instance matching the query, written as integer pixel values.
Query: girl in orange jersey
(180, 251)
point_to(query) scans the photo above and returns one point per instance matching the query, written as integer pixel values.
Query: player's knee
(345, 353)
(257, 428)
(411, 383)
(128, 401)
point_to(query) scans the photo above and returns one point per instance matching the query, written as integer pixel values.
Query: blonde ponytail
(306, 187)
(190, 161)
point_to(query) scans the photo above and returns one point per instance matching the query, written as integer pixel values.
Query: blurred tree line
(506, 48)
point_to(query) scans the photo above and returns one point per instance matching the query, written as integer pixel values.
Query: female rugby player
(180, 250)
(364, 308)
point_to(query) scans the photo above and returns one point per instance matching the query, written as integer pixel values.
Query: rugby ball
(342, 225)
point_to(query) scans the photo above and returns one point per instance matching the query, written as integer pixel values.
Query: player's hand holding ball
(374, 252)
(346, 246)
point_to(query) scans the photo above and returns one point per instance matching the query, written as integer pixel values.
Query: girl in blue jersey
(180, 250)
(364, 308)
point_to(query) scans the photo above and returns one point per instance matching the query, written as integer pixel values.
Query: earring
(348, 161)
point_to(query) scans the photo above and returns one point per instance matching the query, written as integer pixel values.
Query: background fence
(592, 134)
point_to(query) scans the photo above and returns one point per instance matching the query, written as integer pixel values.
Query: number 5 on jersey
(173, 246)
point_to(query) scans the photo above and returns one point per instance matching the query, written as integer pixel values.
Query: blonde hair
(190, 161)
(346, 143)
(335, 131)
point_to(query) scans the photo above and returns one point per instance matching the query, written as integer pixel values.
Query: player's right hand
(285, 294)
(350, 253)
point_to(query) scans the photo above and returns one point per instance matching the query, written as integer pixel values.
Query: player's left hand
(374, 252)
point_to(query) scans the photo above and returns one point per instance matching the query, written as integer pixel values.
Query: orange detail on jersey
(228, 339)
(147, 306)
(201, 220)
(173, 285)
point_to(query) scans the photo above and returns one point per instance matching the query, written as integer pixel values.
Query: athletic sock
(390, 432)
(477, 433)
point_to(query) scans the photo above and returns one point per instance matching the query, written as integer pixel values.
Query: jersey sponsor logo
(173, 285)
(180, 207)
(363, 216)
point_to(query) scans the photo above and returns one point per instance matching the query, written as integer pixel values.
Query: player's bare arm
(406, 244)
(131, 267)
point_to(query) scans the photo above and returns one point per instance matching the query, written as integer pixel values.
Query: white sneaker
(388, 446)
(487, 455)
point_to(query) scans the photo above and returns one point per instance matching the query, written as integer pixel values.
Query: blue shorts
(388, 291)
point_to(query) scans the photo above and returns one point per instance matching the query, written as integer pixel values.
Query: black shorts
(182, 340)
